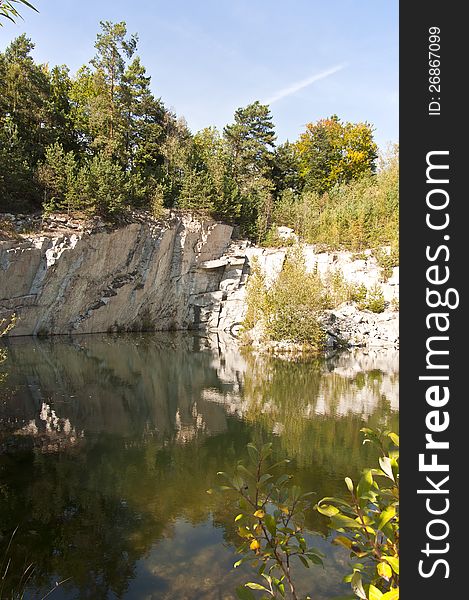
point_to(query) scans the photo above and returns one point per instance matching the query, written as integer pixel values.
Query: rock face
(361, 328)
(146, 275)
(183, 273)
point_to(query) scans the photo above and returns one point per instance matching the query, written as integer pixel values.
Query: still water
(109, 443)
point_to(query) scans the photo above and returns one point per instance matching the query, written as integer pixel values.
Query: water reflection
(109, 443)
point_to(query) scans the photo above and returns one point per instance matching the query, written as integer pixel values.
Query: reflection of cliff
(177, 386)
(117, 385)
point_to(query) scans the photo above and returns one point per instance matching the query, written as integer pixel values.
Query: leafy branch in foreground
(270, 521)
(367, 523)
(9, 10)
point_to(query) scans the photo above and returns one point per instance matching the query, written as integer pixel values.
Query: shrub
(270, 520)
(292, 304)
(374, 300)
(387, 260)
(256, 297)
(102, 187)
(58, 174)
(357, 215)
(339, 290)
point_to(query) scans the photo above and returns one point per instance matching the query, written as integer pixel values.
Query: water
(109, 443)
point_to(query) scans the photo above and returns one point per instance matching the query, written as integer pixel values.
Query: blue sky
(307, 58)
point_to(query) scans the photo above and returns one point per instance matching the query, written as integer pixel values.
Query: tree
(250, 141)
(24, 96)
(9, 11)
(113, 48)
(144, 121)
(331, 153)
(57, 174)
(286, 169)
(18, 188)
(102, 187)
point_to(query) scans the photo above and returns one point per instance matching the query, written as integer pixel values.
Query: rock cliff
(180, 273)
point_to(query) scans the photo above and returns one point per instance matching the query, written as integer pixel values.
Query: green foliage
(338, 290)
(58, 175)
(9, 11)
(333, 153)
(293, 301)
(18, 187)
(250, 142)
(5, 326)
(102, 187)
(288, 310)
(270, 521)
(323, 185)
(387, 260)
(361, 214)
(367, 523)
(256, 297)
(373, 301)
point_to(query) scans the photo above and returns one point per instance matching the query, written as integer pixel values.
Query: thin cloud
(300, 85)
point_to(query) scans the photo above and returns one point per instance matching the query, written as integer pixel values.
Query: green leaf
(365, 484)
(303, 560)
(264, 478)
(266, 450)
(253, 453)
(357, 585)
(385, 464)
(314, 558)
(244, 594)
(328, 510)
(387, 514)
(394, 562)
(283, 479)
(256, 586)
(241, 561)
(341, 521)
(394, 437)
(285, 461)
(238, 517)
(332, 499)
(374, 593)
(384, 570)
(270, 524)
(242, 469)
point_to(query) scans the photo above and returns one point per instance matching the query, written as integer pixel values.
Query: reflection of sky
(195, 562)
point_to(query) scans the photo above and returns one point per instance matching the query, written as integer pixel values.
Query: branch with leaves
(367, 523)
(8, 9)
(270, 521)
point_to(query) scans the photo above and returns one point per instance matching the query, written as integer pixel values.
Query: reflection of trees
(155, 416)
(316, 411)
(91, 516)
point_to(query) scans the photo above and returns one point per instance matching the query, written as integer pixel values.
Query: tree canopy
(100, 141)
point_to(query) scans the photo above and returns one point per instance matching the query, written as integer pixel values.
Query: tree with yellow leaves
(332, 153)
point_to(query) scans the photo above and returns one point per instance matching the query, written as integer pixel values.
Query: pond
(108, 445)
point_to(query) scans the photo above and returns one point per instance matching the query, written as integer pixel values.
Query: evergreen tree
(113, 48)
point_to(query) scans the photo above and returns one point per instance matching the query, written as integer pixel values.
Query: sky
(307, 59)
